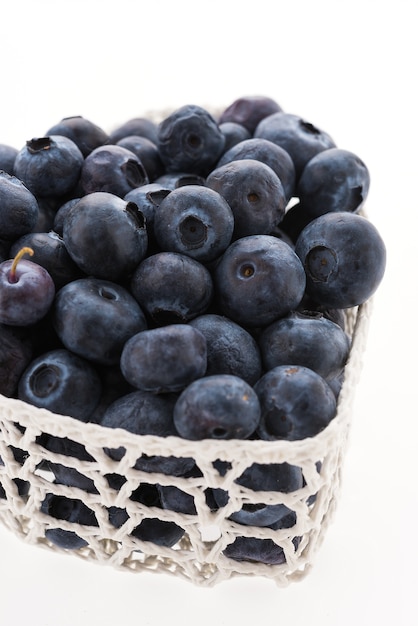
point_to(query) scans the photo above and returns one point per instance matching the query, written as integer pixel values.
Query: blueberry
(282, 477)
(60, 215)
(258, 280)
(164, 359)
(233, 133)
(172, 287)
(333, 180)
(254, 192)
(195, 221)
(147, 152)
(49, 166)
(139, 126)
(258, 514)
(105, 236)
(344, 258)
(174, 499)
(308, 339)
(230, 348)
(61, 382)
(94, 318)
(51, 253)
(300, 138)
(8, 155)
(147, 198)
(269, 153)
(296, 403)
(112, 169)
(255, 550)
(249, 111)
(221, 406)
(70, 510)
(189, 140)
(19, 209)
(84, 133)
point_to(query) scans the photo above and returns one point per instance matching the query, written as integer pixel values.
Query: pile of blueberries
(188, 277)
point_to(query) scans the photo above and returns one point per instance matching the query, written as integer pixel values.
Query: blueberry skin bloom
(19, 208)
(94, 318)
(49, 166)
(305, 339)
(112, 169)
(189, 140)
(255, 194)
(217, 407)
(296, 403)
(61, 382)
(172, 287)
(249, 111)
(344, 258)
(333, 180)
(105, 236)
(258, 280)
(195, 221)
(164, 359)
(301, 139)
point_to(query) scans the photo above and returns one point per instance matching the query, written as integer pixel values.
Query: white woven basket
(198, 556)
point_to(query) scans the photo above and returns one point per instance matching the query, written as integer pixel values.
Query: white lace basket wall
(199, 555)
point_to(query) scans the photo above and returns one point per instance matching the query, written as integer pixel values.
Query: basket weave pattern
(198, 556)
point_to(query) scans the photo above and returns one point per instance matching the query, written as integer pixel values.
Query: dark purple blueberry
(172, 287)
(233, 133)
(195, 221)
(255, 550)
(85, 134)
(19, 209)
(71, 477)
(300, 138)
(256, 514)
(61, 382)
(4, 250)
(26, 291)
(94, 318)
(105, 236)
(140, 126)
(49, 166)
(147, 152)
(308, 339)
(112, 169)
(249, 111)
(296, 403)
(16, 353)
(230, 348)
(49, 250)
(333, 180)
(145, 413)
(269, 153)
(221, 406)
(8, 155)
(259, 279)
(147, 198)
(344, 258)
(189, 140)
(164, 359)
(254, 192)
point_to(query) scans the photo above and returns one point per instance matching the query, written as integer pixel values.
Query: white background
(349, 68)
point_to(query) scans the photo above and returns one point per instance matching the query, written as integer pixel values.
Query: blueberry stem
(19, 255)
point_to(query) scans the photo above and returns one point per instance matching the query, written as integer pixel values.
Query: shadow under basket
(115, 516)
